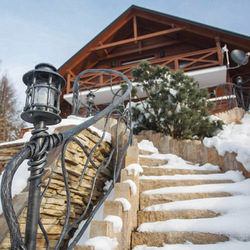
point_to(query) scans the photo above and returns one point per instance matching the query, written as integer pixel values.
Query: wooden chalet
(140, 34)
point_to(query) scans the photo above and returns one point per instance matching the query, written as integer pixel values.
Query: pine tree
(10, 123)
(174, 104)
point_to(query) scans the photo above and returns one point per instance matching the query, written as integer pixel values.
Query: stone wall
(53, 207)
(122, 189)
(7, 152)
(194, 151)
(232, 115)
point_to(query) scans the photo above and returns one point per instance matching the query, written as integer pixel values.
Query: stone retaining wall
(232, 115)
(193, 151)
(7, 152)
(53, 207)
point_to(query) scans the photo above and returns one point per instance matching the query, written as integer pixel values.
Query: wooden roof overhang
(163, 39)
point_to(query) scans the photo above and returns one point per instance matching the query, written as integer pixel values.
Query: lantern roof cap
(43, 68)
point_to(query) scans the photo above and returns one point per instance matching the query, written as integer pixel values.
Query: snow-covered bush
(174, 104)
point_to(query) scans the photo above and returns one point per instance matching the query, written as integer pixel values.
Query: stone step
(147, 200)
(153, 216)
(145, 152)
(173, 171)
(149, 184)
(151, 162)
(157, 239)
(140, 138)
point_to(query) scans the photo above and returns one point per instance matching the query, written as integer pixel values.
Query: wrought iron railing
(229, 95)
(41, 144)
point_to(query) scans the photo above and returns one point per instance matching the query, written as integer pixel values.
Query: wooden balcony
(186, 62)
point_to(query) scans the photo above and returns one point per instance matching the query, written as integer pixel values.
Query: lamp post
(41, 109)
(90, 102)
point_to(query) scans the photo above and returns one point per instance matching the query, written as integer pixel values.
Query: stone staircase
(158, 178)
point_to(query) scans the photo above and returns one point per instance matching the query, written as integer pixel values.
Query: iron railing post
(36, 173)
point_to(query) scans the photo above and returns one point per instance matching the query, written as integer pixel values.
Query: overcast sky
(34, 31)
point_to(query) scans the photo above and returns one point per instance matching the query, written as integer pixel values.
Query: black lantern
(90, 99)
(43, 92)
(90, 102)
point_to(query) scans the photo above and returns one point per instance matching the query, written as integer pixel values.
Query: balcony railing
(186, 62)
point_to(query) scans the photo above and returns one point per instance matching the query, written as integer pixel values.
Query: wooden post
(68, 82)
(135, 28)
(176, 64)
(217, 41)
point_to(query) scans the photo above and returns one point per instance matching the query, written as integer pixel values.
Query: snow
(218, 205)
(175, 162)
(19, 181)
(102, 242)
(136, 167)
(132, 186)
(230, 175)
(234, 224)
(230, 245)
(126, 204)
(107, 185)
(147, 145)
(233, 138)
(117, 222)
(232, 188)
(71, 120)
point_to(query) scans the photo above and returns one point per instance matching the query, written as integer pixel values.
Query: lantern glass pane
(41, 97)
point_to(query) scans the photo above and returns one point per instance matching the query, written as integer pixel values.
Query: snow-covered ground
(235, 213)
(233, 138)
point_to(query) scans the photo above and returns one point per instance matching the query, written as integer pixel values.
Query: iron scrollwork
(230, 95)
(41, 143)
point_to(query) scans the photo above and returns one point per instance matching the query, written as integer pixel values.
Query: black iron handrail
(39, 146)
(235, 95)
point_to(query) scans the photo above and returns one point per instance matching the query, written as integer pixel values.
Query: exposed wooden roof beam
(135, 28)
(105, 50)
(103, 37)
(154, 46)
(70, 71)
(154, 19)
(139, 38)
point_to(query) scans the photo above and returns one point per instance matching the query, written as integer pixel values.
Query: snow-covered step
(183, 204)
(148, 184)
(173, 171)
(153, 216)
(140, 138)
(158, 182)
(145, 152)
(147, 200)
(158, 239)
(227, 245)
(151, 162)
